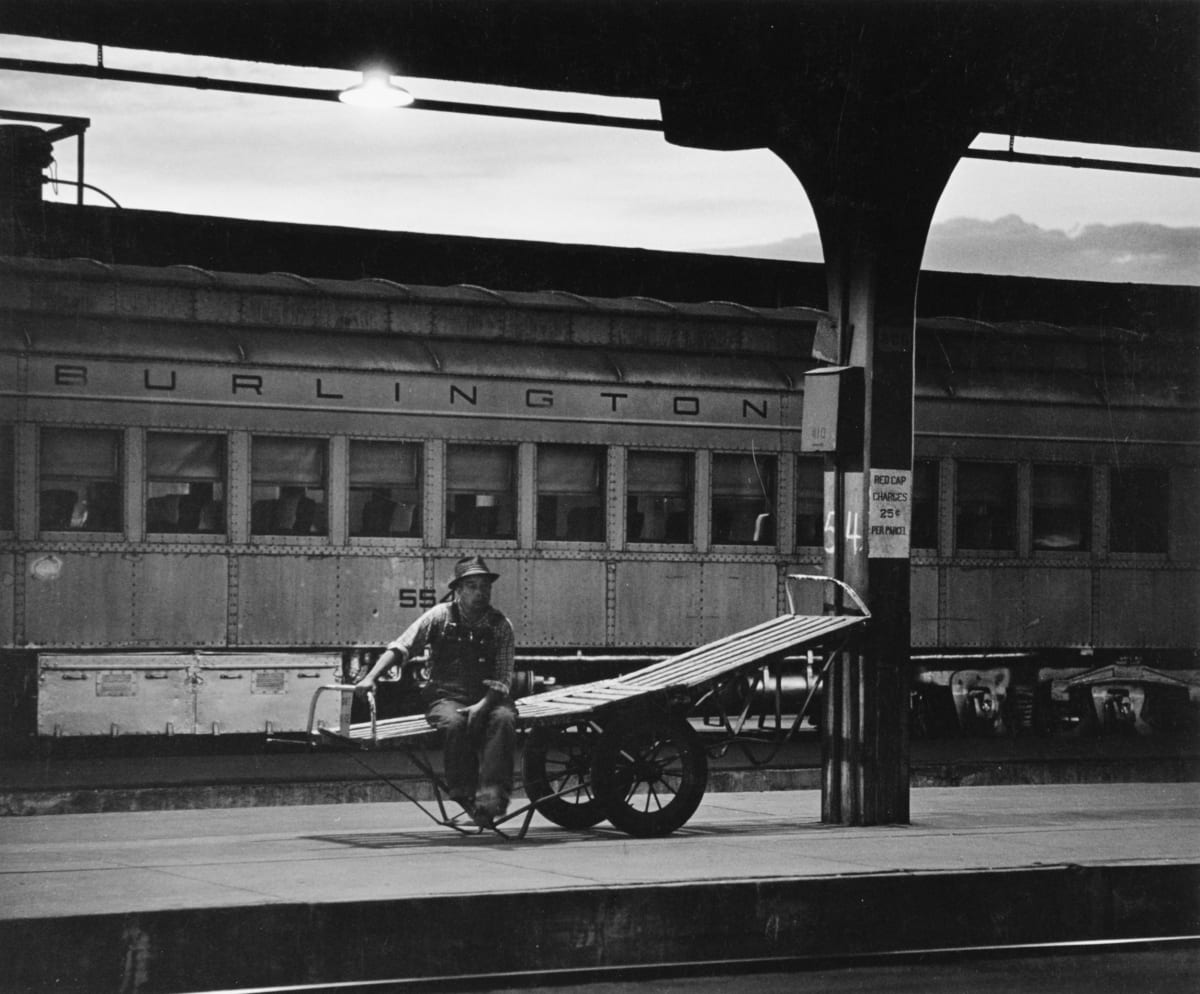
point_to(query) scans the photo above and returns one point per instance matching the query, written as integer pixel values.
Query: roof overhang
(728, 74)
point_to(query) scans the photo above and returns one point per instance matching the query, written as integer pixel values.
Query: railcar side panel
(983, 605)
(1185, 508)
(658, 603)
(923, 598)
(1147, 607)
(180, 598)
(1057, 606)
(734, 596)
(287, 600)
(378, 597)
(79, 599)
(566, 603)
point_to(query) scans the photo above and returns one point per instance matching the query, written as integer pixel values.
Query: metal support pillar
(865, 746)
(874, 214)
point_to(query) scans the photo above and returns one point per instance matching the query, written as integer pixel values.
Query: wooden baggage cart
(626, 749)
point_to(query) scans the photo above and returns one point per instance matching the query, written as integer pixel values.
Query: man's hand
(367, 683)
(476, 713)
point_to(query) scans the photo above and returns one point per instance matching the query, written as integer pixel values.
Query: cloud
(1111, 253)
(208, 152)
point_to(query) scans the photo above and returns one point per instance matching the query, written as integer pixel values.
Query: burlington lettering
(419, 393)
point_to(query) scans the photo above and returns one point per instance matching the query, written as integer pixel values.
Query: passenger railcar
(222, 489)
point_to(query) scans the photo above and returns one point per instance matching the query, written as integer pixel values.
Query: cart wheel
(558, 759)
(650, 772)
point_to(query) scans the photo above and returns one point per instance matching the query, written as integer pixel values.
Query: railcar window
(810, 501)
(79, 480)
(743, 500)
(659, 497)
(925, 504)
(287, 486)
(570, 493)
(7, 477)
(385, 488)
(481, 492)
(986, 506)
(185, 483)
(1138, 502)
(1061, 507)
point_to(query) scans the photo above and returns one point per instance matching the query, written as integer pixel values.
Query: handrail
(343, 688)
(824, 579)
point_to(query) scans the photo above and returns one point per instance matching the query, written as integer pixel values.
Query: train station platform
(174, 901)
(81, 776)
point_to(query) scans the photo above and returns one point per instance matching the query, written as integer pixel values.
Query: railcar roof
(280, 299)
(185, 313)
(374, 288)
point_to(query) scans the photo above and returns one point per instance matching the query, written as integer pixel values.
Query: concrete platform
(75, 777)
(205, 900)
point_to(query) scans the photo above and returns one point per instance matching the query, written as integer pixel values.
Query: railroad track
(640, 976)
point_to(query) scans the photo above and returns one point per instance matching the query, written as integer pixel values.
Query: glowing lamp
(376, 90)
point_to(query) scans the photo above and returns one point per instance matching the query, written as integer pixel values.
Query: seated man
(377, 514)
(295, 512)
(467, 698)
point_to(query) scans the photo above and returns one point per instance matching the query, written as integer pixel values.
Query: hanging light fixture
(376, 90)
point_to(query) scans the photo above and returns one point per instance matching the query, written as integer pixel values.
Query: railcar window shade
(570, 483)
(80, 480)
(385, 489)
(287, 489)
(1061, 507)
(384, 463)
(743, 499)
(480, 468)
(660, 473)
(659, 498)
(287, 461)
(79, 453)
(568, 469)
(481, 491)
(743, 475)
(1138, 509)
(185, 483)
(986, 506)
(184, 457)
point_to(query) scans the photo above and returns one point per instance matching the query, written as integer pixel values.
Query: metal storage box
(264, 692)
(148, 693)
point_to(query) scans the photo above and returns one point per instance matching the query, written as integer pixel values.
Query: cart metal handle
(343, 688)
(823, 579)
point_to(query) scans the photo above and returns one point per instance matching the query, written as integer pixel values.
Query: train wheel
(560, 759)
(650, 772)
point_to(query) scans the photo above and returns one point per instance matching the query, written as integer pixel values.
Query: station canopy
(728, 73)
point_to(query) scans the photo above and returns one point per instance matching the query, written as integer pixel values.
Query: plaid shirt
(426, 629)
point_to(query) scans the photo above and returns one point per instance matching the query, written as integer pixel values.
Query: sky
(302, 161)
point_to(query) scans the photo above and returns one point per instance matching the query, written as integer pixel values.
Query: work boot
(490, 805)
